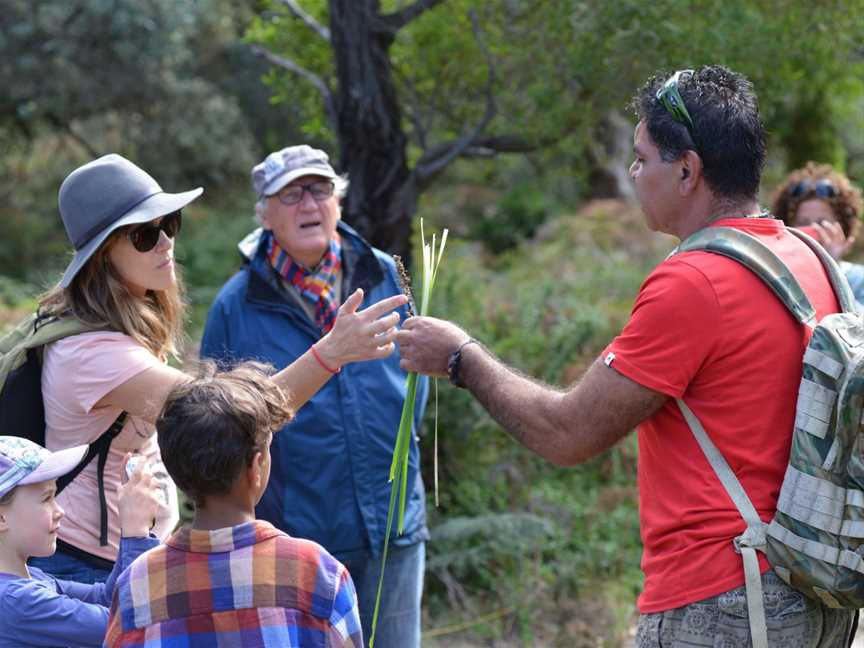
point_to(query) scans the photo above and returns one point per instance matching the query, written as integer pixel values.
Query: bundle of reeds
(432, 254)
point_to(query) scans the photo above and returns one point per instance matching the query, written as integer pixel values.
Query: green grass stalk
(399, 465)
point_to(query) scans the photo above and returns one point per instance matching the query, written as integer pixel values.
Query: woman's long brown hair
(98, 296)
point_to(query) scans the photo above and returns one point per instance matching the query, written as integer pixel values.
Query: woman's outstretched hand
(361, 335)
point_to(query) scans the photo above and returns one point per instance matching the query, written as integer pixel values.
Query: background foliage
(522, 553)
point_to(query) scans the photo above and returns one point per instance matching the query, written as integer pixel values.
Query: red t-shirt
(707, 329)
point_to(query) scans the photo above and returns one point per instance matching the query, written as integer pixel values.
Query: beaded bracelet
(455, 361)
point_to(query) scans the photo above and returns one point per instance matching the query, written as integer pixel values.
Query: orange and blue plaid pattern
(249, 585)
(317, 285)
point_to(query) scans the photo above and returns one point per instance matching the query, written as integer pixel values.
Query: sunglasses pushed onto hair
(145, 237)
(670, 98)
(819, 188)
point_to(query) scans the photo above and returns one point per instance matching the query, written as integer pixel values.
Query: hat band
(107, 221)
(11, 477)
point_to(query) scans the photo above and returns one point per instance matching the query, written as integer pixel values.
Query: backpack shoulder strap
(751, 540)
(756, 256)
(99, 448)
(36, 330)
(50, 329)
(839, 283)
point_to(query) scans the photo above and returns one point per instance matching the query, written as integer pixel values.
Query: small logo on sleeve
(608, 359)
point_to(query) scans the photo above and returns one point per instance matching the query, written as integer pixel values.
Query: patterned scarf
(316, 285)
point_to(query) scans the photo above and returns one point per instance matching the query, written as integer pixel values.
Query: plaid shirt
(248, 585)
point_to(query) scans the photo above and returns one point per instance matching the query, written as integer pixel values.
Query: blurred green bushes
(515, 217)
(207, 247)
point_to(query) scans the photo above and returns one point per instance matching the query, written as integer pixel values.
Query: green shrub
(207, 247)
(515, 217)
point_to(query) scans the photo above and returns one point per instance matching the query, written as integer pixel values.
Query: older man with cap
(331, 465)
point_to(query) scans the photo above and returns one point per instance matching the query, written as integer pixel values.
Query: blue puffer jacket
(330, 465)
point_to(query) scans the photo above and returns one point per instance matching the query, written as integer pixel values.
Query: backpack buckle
(753, 537)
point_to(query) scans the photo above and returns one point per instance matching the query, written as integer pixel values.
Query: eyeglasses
(320, 191)
(671, 100)
(145, 237)
(820, 188)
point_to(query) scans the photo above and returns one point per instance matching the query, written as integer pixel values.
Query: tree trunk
(382, 197)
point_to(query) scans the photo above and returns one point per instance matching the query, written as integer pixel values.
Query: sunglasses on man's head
(819, 188)
(145, 237)
(670, 98)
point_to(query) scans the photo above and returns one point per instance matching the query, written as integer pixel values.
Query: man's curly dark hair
(846, 204)
(727, 131)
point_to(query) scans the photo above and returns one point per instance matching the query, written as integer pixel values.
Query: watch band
(455, 361)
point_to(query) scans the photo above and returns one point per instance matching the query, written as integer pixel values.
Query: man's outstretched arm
(565, 426)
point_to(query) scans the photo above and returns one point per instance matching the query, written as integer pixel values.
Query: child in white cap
(36, 609)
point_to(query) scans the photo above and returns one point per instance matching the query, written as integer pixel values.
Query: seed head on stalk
(405, 284)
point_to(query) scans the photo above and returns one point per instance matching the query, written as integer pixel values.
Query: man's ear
(691, 172)
(263, 215)
(4, 524)
(256, 470)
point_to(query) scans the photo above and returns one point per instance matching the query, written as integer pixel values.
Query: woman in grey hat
(122, 283)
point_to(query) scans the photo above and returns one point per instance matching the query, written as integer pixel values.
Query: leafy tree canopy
(558, 69)
(82, 78)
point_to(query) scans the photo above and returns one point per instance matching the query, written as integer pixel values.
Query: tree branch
(430, 165)
(308, 20)
(72, 17)
(311, 77)
(414, 111)
(489, 146)
(398, 19)
(70, 131)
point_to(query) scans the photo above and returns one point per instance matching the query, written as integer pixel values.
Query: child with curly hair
(229, 579)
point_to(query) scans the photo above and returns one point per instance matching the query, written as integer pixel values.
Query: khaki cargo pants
(794, 621)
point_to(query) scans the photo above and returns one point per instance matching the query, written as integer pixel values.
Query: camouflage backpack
(816, 540)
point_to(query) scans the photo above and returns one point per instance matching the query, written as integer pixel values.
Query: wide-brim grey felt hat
(106, 194)
(281, 167)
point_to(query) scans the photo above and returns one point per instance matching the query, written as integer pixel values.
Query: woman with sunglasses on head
(826, 205)
(123, 284)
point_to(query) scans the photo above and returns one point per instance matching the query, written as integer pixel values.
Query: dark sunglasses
(820, 188)
(145, 237)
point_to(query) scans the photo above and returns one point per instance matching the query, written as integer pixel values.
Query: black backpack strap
(98, 448)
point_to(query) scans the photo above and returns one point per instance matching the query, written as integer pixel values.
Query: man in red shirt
(703, 328)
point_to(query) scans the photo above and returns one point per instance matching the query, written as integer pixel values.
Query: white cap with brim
(108, 193)
(284, 180)
(24, 462)
(281, 167)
